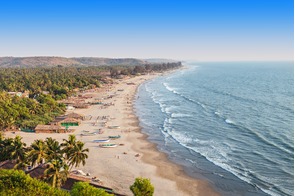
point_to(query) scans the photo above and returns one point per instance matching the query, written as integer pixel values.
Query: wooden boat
(114, 127)
(108, 145)
(101, 141)
(114, 136)
(88, 134)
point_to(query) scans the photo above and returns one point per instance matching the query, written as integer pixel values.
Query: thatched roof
(70, 120)
(74, 115)
(9, 164)
(37, 172)
(73, 178)
(48, 127)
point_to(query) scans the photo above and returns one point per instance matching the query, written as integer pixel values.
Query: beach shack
(69, 122)
(51, 129)
(75, 116)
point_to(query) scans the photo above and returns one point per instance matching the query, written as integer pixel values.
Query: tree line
(26, 112)
(142, 69)
(61, 81)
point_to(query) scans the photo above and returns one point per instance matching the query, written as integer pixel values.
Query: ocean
(230, 124)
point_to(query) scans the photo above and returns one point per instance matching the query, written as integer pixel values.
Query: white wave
(229, 121)
(217, 155)
(179, 115)
(170, 88)
(218, 113)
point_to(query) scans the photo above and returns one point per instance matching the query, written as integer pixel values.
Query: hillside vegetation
(26, 62)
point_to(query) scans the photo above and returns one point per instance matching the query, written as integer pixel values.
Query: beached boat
(108, 145)
(114, 127)
(88, 134)
(101, 141)
(114, 136)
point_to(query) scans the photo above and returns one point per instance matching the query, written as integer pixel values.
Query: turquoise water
(228, 123)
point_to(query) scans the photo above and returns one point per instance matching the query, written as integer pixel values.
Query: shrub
(142, 187)
(85, 189)
(16, 183)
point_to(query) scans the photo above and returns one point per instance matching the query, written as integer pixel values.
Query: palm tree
(18, 152)
(56, 173)
(37, 154)
(53, 150)
(69, 145)
(77, 155)
(5, 149)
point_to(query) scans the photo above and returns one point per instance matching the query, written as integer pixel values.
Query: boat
(114, 136)
(108, 145)
(88, 134)
(114, 127)
(101, 141)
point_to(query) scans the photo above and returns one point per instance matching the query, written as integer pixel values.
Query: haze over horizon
(210, 30)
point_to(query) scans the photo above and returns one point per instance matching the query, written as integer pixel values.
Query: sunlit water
(228, 123)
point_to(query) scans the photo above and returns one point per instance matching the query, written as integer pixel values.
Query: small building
(69, 122)
(19, 94)
(69, 107)
(12, 94)
(75, 116)
(52, 129)
(81, 105)
(8, 164)
(45, 92)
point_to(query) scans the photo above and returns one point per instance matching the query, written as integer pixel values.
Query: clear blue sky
(184, 29)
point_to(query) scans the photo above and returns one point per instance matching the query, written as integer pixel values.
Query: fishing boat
(108, 145)
(114, 127)
(114, 136)
(101, 141)
(88, 134)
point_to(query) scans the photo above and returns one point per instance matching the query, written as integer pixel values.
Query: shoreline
(135, 156)
(165, 167)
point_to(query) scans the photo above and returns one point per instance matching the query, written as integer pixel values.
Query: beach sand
(134, 156)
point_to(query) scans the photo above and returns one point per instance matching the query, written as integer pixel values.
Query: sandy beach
(134, 155)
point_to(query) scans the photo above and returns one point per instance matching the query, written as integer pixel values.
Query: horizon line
(163, 58)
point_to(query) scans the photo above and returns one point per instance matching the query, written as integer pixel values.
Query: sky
(204, 30)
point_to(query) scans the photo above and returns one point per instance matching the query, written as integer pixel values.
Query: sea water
(228, 123)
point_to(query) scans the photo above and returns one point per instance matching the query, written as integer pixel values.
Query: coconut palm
(37, 154)
(53, 150)
(56, 173)
(18, 152)
(5, 149)
(69, 145)
(77, 155)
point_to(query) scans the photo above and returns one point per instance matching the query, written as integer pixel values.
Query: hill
(65, 62)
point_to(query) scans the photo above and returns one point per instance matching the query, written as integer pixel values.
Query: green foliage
(26, 112)
(59, 81)
(142, 187)
(77, 155)
(16, 182)
(57, 172)
(57, 156)
(84, 189)
(38, 152)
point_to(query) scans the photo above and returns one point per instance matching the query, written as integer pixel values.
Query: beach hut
(8, 164)
(75, 116)
(50, 129)
(69, 122)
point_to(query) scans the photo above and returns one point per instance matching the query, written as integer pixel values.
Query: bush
(85, 189)
(142, 187)
(16, 183)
